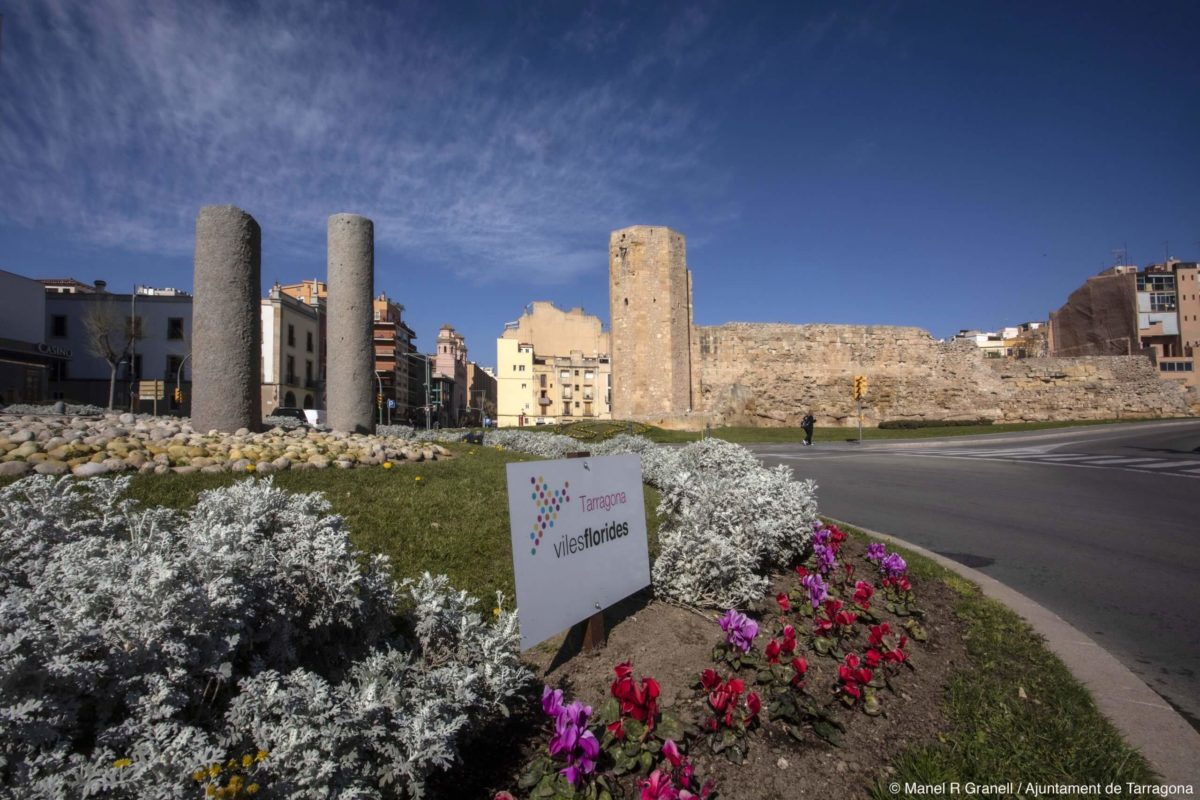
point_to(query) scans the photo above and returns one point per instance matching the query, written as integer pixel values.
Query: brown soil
(673, 645)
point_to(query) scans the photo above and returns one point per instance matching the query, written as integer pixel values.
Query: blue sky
(945, 165)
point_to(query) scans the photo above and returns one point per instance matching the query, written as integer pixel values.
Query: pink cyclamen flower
(876, 552)
(659, 787)
(740, 630)
(671, 751)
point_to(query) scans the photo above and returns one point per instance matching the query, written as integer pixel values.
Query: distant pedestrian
(806, 425)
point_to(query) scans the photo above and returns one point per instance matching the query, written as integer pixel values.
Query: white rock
(89, 469)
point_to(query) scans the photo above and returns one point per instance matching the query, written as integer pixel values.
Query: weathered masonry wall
(650, 301)
(763, 374)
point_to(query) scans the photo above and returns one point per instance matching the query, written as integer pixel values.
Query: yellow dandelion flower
(232, 764)
(122, 762)
(214, 770)
(210, 791)
(235, 783)
(249, 468)
(496, 611)
(199, 775)
(252, 789)
(417, 478)
(247, 760)
(387, 465)
(261, 755)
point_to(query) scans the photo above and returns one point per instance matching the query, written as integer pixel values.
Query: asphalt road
(1100, 525)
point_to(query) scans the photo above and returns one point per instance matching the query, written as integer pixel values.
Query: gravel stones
(87, 447)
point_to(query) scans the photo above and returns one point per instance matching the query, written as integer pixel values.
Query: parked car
(293, 413)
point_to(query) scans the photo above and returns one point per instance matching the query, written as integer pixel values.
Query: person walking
(806, 425)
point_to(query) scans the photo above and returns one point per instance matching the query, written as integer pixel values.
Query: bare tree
(110, 335)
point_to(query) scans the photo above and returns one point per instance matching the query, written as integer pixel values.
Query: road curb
(1145, 720)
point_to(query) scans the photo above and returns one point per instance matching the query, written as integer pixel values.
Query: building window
(58, 370)
(291, 335)
(58, 325)
(291, 373)
(565, 374)
(309, 346)
(175, 328)
(542, 380)
(589, 375)
(1162, 301)
(289, 400)
(308, 374)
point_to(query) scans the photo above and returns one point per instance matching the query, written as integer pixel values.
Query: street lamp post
(427, 379)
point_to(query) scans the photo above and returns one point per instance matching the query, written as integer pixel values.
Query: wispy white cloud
(120, 118)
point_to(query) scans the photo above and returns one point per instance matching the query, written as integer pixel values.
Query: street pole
(860, 420)
(379, 397)
(427, 387)
(179, 378)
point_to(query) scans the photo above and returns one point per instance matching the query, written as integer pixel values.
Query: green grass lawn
(453, 520)
(1017, 714)
(747, 435)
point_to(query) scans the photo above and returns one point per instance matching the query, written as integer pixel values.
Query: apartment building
(291, 352)
(159, 322)
(1125, 310)
(394, 361)
(1027, 340)
(553, 366)
(27, 357)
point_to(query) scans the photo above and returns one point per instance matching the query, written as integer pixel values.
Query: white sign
(578, 539)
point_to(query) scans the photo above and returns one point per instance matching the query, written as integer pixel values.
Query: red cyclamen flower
(784, 603)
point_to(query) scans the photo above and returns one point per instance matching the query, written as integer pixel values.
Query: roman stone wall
(770, 374)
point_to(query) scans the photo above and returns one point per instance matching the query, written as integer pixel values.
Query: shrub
(909, 424)
(142, 645)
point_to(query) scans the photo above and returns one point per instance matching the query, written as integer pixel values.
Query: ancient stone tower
(650, 294)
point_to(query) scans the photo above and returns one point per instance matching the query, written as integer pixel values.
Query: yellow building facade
(553, 366)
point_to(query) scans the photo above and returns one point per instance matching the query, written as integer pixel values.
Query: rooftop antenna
(1120, 256)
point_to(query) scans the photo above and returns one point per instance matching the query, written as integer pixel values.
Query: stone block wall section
(226, 326)
(770, 374)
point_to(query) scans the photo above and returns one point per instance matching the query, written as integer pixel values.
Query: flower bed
(748, 705)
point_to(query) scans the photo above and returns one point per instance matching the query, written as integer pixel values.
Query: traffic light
(860, 387)
(178, 395)
(378, 400)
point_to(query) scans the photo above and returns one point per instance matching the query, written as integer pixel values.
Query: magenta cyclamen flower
(552, 701)
(876, 552)
(740, 630)
(572, 739)
(893, 565)
(817, 591)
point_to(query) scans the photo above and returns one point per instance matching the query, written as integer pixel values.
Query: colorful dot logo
(548, 502)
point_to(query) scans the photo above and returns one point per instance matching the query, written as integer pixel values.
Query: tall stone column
(226, 327)
(350, 363)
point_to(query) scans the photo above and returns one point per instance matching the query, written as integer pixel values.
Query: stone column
(350, 363)
(226, 327)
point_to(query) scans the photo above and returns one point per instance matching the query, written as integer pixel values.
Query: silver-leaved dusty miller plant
(140, 645)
